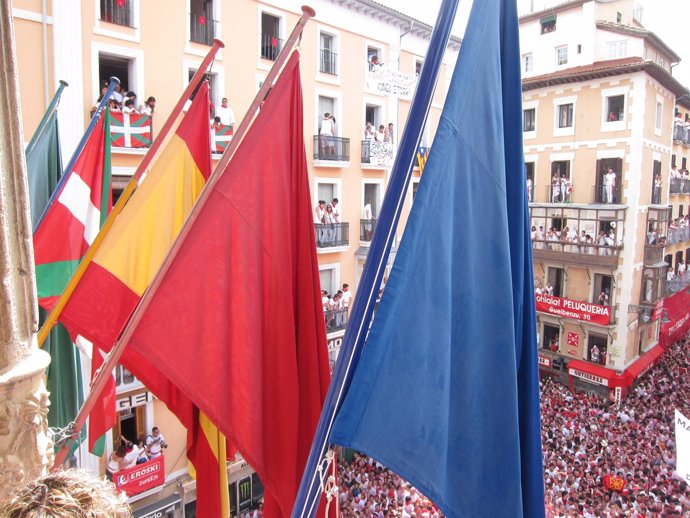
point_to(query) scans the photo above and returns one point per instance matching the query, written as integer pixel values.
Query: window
(551, 338)
(201, 22)
(418, 66)
(548, 24)
(529, 120)
(118, 12)
(562, 55)
(212, 85)
(556, 277)
(374, 57)
(617, 49)
(565, 115)
(596, 348)
(527, 63)
(328, 57)
(659, 115)
(615, 108)
(372, 196)
(607, 185)
(529, 173)
(123, 377)
(328, 276)
(602, 290)
(561, 188)
(271, 44)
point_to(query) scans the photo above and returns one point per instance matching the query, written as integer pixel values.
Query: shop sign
(133, 400)
(545, 361)
(577, 309)
(141, 477)
(335, 343)
(589, 377)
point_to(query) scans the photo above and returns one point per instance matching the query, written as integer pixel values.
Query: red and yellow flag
(125, 264)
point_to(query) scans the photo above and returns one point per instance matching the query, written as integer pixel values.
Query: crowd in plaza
(601, 459)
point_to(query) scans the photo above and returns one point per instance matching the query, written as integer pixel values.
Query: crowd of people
(126, 101)
(128, 454)
(568, 240)
(335, 306)
(601, 459)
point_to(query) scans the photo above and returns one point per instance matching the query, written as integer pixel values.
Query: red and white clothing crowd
(601, 459)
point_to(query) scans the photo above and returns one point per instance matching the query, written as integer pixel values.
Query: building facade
(360, 62)
(598, 120)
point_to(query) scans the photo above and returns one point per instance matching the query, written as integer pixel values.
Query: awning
(644, 363)
(163, 506)
(592, 372)
(548, 18)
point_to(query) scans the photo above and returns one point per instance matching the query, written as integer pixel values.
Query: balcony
(606, 196)
(131, 131)
(271, 46)
(336, 319)
(202, 29)
(653, 254)
(332, 235)
(334, 149)
(558, 194)
(680, 186)
(328, 62)
(366, 229)
(678, 132)
(377, 154)
(118, 12)
(676, 284)
(588, 254)
(678, 235)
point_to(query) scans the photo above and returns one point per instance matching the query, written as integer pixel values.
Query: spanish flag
(125, 264)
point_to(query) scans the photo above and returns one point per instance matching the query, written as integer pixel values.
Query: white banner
(683, 446)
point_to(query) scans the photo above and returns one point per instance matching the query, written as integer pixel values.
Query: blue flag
(446, 392)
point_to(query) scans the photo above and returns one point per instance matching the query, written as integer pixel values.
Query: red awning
(577, 367)
(644, 363)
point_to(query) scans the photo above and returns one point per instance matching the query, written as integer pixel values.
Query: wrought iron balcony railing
(336, 319)
(202, 29)
(332, 235)
(271, 45)
(118, 12)
(331, 148)
(328, 62)
(366, 229)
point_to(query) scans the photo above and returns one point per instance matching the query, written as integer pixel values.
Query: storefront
(164, 508)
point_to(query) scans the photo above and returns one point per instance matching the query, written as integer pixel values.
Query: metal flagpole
(101, 377)
(131, 186)
(363, 307)
(80, 147)
(42, 125)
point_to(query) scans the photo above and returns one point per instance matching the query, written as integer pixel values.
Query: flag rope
(372, 275)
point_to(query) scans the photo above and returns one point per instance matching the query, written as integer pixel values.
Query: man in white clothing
(227, 117)
(155, 443)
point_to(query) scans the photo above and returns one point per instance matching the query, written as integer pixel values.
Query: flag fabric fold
(122, 269)
(60, 241)
(63, 376)
(446, 391)
(236, 321)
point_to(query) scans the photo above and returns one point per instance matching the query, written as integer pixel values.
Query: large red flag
(236, 322)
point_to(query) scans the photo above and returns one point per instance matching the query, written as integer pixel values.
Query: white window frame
(217, 28)
(617, 49)
(607, 126)
(218, 89)
(528, 63)
(372, 181)
(337, 113)
(558, 57)
(338, 190)
(99, 28)
(659, 115)
(136, 55)
(331, 266)
(557, 103)
(530, 105)
(381, 54)
(322, 76)
(263, 8)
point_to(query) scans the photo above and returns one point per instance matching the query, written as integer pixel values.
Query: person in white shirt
(227, 117)
(131, 456)
(336, 209)
(155, 443)
(347, 295)
(609, 185)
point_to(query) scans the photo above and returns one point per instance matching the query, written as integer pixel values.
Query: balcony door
(608, 188)
(326, 105)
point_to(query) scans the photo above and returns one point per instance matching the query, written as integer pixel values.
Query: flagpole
(377, 258)
(131, 186)
(101, 378)
(44, 121)
(80, 147)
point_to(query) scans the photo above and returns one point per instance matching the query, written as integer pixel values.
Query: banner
(130, 130)
(391, 82)
(676, 310)
(141, 477)
(220, 138)
(577, 309)
(682, 446)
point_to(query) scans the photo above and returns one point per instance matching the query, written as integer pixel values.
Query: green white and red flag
(131, 130)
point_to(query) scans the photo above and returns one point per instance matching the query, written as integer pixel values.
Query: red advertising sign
(141, 477)
(545, 361)
(577, 309)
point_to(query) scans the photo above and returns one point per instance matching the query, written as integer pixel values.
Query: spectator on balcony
(118, 95)
(113, 106)
(674, 172)
(374, 63)
(529, 189)
(327, 132)
(227, 117)
(347, 295)
(538, 290)
(114, 461)
(143, 454)
(131, 456)
(595, 354)
(602, 241)
(390, 134)
(155, 443)
(539, 237)
(533, 233)
(609, 185)
(214, 124)
(555, 188)
(319, 211)
(590, 241)
(656, 195)
(369, 132)
(149, 106)
(548, 289)
(130, 95)
(336, 209)
(603, 299)
(380, 135)
(330, 220)
(129, 107)
(367, 216)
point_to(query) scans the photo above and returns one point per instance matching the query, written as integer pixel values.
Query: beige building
(598, 101)
(360, 63)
